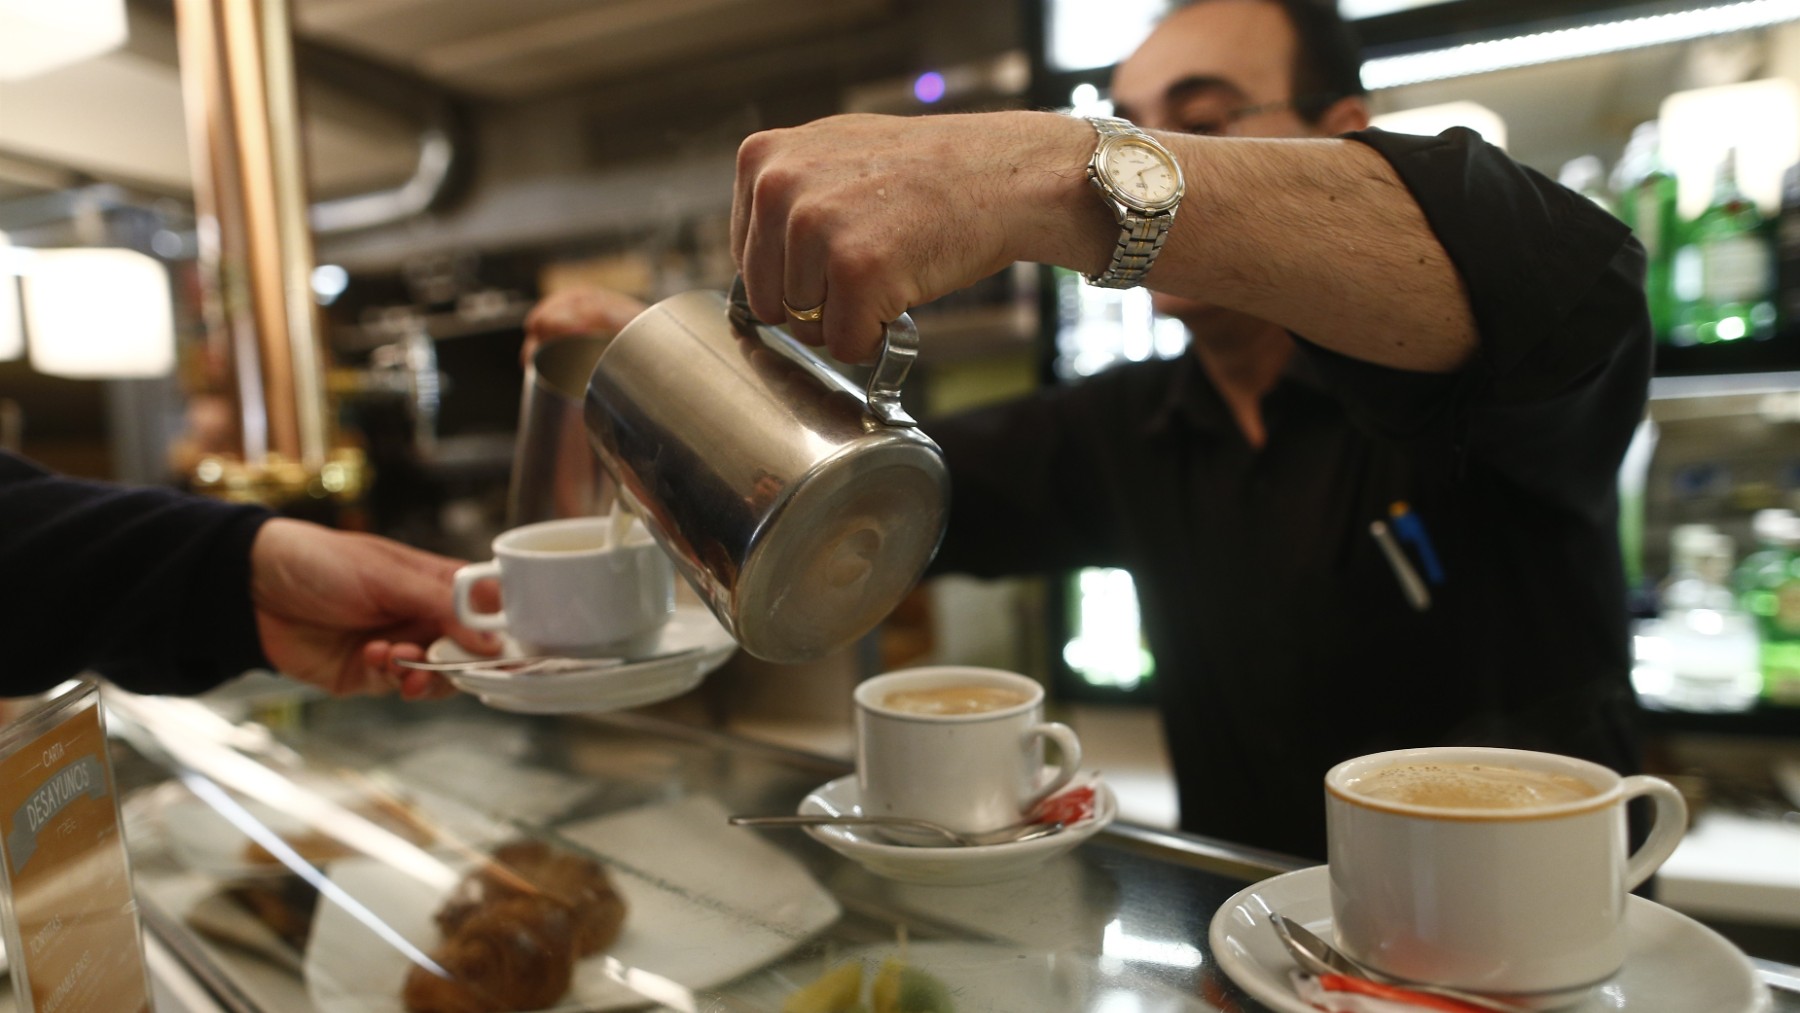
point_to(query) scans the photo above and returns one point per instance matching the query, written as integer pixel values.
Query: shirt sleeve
(148, 586)
(1561, 371)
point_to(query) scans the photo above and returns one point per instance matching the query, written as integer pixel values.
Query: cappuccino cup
(963, 747)
(566, 589)
(1499, 871)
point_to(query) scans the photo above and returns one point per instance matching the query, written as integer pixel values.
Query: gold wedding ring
(810, 316)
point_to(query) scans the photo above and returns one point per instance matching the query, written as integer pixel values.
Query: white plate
(995, 978)
(943, 866)
(523, 791)
(691, 629)
(706, 903)
(1673, 964)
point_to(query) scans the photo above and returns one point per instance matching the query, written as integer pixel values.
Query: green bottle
(1726, 269)
(1646, 200)
(1768, 586)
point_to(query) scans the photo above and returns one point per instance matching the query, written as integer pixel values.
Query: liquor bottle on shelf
(1586, 175)
(1724, 273)
(1787, 253)
(1768, 584)
(1646, 198)
(1710, 647)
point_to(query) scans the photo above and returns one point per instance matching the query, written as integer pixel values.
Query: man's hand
(336, 609)
(870, 216)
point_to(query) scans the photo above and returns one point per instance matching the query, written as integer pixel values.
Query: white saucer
(950, 866)
(1673, 964)
(606, 686)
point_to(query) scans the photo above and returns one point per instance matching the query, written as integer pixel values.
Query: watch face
(1141, 173)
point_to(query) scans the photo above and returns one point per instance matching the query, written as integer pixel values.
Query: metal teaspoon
(1319, 957)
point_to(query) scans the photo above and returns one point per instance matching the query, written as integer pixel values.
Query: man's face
(1205, 65)
(1221, 67)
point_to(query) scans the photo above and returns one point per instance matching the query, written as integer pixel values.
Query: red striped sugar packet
(1336, 993)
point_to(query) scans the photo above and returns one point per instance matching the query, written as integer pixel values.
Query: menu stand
(71, 919)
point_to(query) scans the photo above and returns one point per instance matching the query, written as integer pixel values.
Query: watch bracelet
(1139, 242)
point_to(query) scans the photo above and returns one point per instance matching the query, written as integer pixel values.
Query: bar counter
(718, 918)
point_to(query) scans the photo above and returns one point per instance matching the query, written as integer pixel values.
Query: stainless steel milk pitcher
(554, 472)
(801, 508)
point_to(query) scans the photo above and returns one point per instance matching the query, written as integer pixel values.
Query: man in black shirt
(1381, 325)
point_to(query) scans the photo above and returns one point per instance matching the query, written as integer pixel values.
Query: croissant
(534, 869)
(513, 930)
(517, 954)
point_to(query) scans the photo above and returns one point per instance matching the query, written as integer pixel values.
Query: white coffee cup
(968, 771)
(566, 590)
(1519, 894)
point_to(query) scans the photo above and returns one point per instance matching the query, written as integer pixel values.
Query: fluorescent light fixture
(1353, 10)
(99, 314)
(42, 35)
(12, 327)
(1760, 119)
(1084, 34)
(1572, 43)
(1432, 120)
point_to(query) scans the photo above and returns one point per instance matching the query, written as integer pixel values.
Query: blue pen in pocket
(1411, 530)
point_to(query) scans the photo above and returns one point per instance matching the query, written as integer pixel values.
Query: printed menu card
(72, 928)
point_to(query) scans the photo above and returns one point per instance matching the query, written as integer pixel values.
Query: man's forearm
(1319, 236)
(1322, 238)
(868, 216)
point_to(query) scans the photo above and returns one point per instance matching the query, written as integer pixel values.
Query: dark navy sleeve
(1044, 483)
(1561, 372)
(148, 586)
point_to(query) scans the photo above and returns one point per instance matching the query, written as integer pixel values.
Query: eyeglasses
(1213, 123)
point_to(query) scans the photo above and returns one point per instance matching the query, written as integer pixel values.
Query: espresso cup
(565, 589)
(1499, 871)
(962, 747)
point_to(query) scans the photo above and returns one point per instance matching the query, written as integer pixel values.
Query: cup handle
(1070, 748)
(465, 609)
(1665, 832)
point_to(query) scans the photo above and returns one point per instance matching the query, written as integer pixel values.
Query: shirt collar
(1194, 402)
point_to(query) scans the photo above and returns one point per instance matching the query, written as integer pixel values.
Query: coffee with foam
(945, 700)
(1470, 786)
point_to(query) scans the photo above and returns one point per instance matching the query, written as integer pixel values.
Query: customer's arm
(873, 215)
(169, 593)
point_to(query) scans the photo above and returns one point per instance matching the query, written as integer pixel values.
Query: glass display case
(297, 853)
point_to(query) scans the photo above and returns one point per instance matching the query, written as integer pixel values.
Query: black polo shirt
(1282, 637)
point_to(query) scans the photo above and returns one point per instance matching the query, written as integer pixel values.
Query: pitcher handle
(899, 347)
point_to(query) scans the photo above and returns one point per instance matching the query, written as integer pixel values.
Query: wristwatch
(1141, 182)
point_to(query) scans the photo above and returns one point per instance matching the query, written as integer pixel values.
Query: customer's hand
(337, 609)
(576, 313)
(870, 216)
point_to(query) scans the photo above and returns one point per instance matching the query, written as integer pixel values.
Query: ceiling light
(1573, 43)
(99, 314)
(929, 87)
(42, 35)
